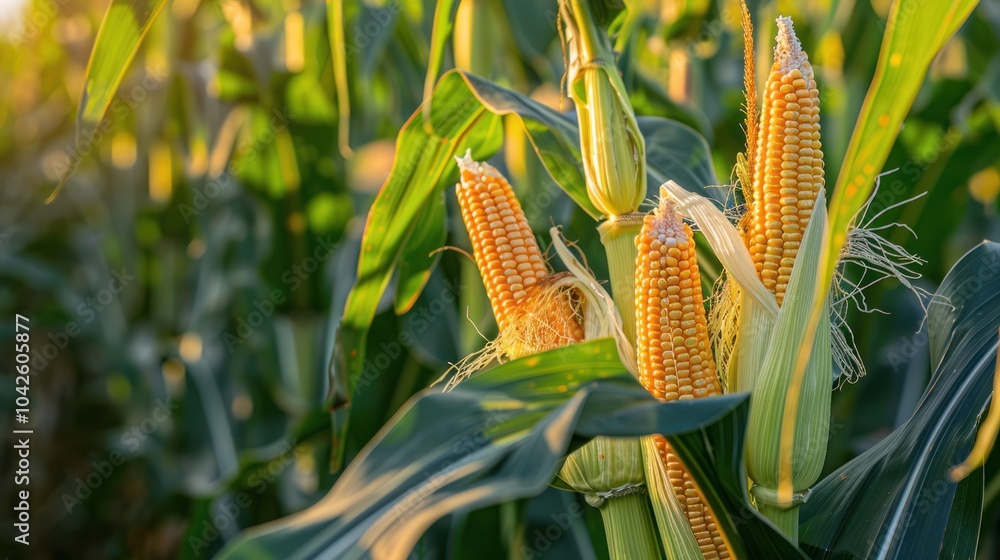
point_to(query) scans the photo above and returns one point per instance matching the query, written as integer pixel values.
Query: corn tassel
(788, 168)
(674, 355)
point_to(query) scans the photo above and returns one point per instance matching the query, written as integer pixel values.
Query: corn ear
(535, 310)
(678, 540)
(785, 235)
(674, 354)
(788, 172)
(504, 247)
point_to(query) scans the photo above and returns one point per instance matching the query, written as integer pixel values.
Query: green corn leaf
(338, 53)
(421, 161)
(961, 536)
(444, 21)
(419, 253)
(124, 27)
(914, 34)
(910, 514)
(501, 436)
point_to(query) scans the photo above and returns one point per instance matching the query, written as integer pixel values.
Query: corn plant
(693, 419)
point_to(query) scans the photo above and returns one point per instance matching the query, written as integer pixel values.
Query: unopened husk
(812, 421)
(613, 149)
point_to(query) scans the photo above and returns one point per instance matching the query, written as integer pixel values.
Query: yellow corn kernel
(788, 169)
(674, 354)
(675, 360)
(503, 245)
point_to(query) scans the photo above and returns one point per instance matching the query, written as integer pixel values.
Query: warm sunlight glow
(295, 55)
(12, 14)
(161, 180)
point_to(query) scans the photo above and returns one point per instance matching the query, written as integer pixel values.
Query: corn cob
(788, 167)
(535, 310)
(674, 357)
(504, 247)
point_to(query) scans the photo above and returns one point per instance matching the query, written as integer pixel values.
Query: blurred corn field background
(186, 284)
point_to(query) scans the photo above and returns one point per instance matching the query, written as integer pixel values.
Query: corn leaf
(422, 161)
(444, 20)
(915, 32)
(501, 436)
(125, 25)
(961, 536)
(338, 58)
(419, 253)
(909, 516)
(676, 152)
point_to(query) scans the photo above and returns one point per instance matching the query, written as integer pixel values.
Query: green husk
(613, 148)
(629, 528)
(678, 540)
(770, 395)
(755, 329)
(605, 468)
(812, 422)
